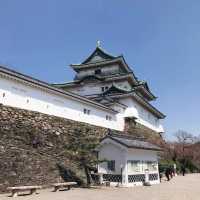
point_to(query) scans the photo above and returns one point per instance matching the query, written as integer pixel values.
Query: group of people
(171, 171)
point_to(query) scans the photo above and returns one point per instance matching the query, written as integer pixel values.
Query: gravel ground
(179, 188)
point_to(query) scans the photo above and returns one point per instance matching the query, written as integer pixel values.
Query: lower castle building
(104, 95)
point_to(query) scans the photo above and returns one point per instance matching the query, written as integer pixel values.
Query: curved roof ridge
(102, 52)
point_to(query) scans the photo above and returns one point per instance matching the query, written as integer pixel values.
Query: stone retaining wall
(138, 130)
(32, 147)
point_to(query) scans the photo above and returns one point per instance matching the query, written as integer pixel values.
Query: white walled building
(128, 160)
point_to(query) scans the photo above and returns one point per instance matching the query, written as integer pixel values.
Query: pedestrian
(160, 175)
(171, 172)
(167, 173)
(183, 170)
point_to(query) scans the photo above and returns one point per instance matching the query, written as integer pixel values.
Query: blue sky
(160, 41)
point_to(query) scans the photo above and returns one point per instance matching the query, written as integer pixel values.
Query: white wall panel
(35, 99)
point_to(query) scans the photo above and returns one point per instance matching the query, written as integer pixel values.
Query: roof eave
(149, 94)
(139, 98)
(128, 146)
(116, 59)
(145, 148)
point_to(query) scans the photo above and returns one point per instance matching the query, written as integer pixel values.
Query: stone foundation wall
(32, 147)
(138, 130)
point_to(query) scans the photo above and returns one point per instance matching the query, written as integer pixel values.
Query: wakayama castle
(104, 93)
(108, 80)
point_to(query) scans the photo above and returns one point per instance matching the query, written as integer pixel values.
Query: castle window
(108, 117)
(4, 94)
(103, 89)
(111, 165)
(97, 71)
(27, 101)
(86, 111)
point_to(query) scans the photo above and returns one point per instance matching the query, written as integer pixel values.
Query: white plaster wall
(143, 156)
(143, 116)
(140, 154)
(87, 89)
(133, 109)
(23, 96)
(111, 152)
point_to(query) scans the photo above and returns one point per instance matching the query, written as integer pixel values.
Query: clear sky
(160, 40)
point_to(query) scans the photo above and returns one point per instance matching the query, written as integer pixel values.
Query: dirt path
(179, 188)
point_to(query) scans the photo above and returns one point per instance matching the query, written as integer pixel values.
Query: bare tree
(184, 137)
(184, 146)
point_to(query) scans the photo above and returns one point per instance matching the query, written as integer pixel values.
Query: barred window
(133, 166)
(111, 165)
(152, 165)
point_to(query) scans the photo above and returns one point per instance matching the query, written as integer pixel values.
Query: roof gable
(144, 90)
(115, 90)
(108, 140)
(98, 55)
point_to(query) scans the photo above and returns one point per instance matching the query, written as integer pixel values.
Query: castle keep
(109, 80)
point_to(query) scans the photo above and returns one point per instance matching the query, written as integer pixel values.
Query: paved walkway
(179, 188)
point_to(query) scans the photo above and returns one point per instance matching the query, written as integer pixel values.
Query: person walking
(167, 173)
(183, 170)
